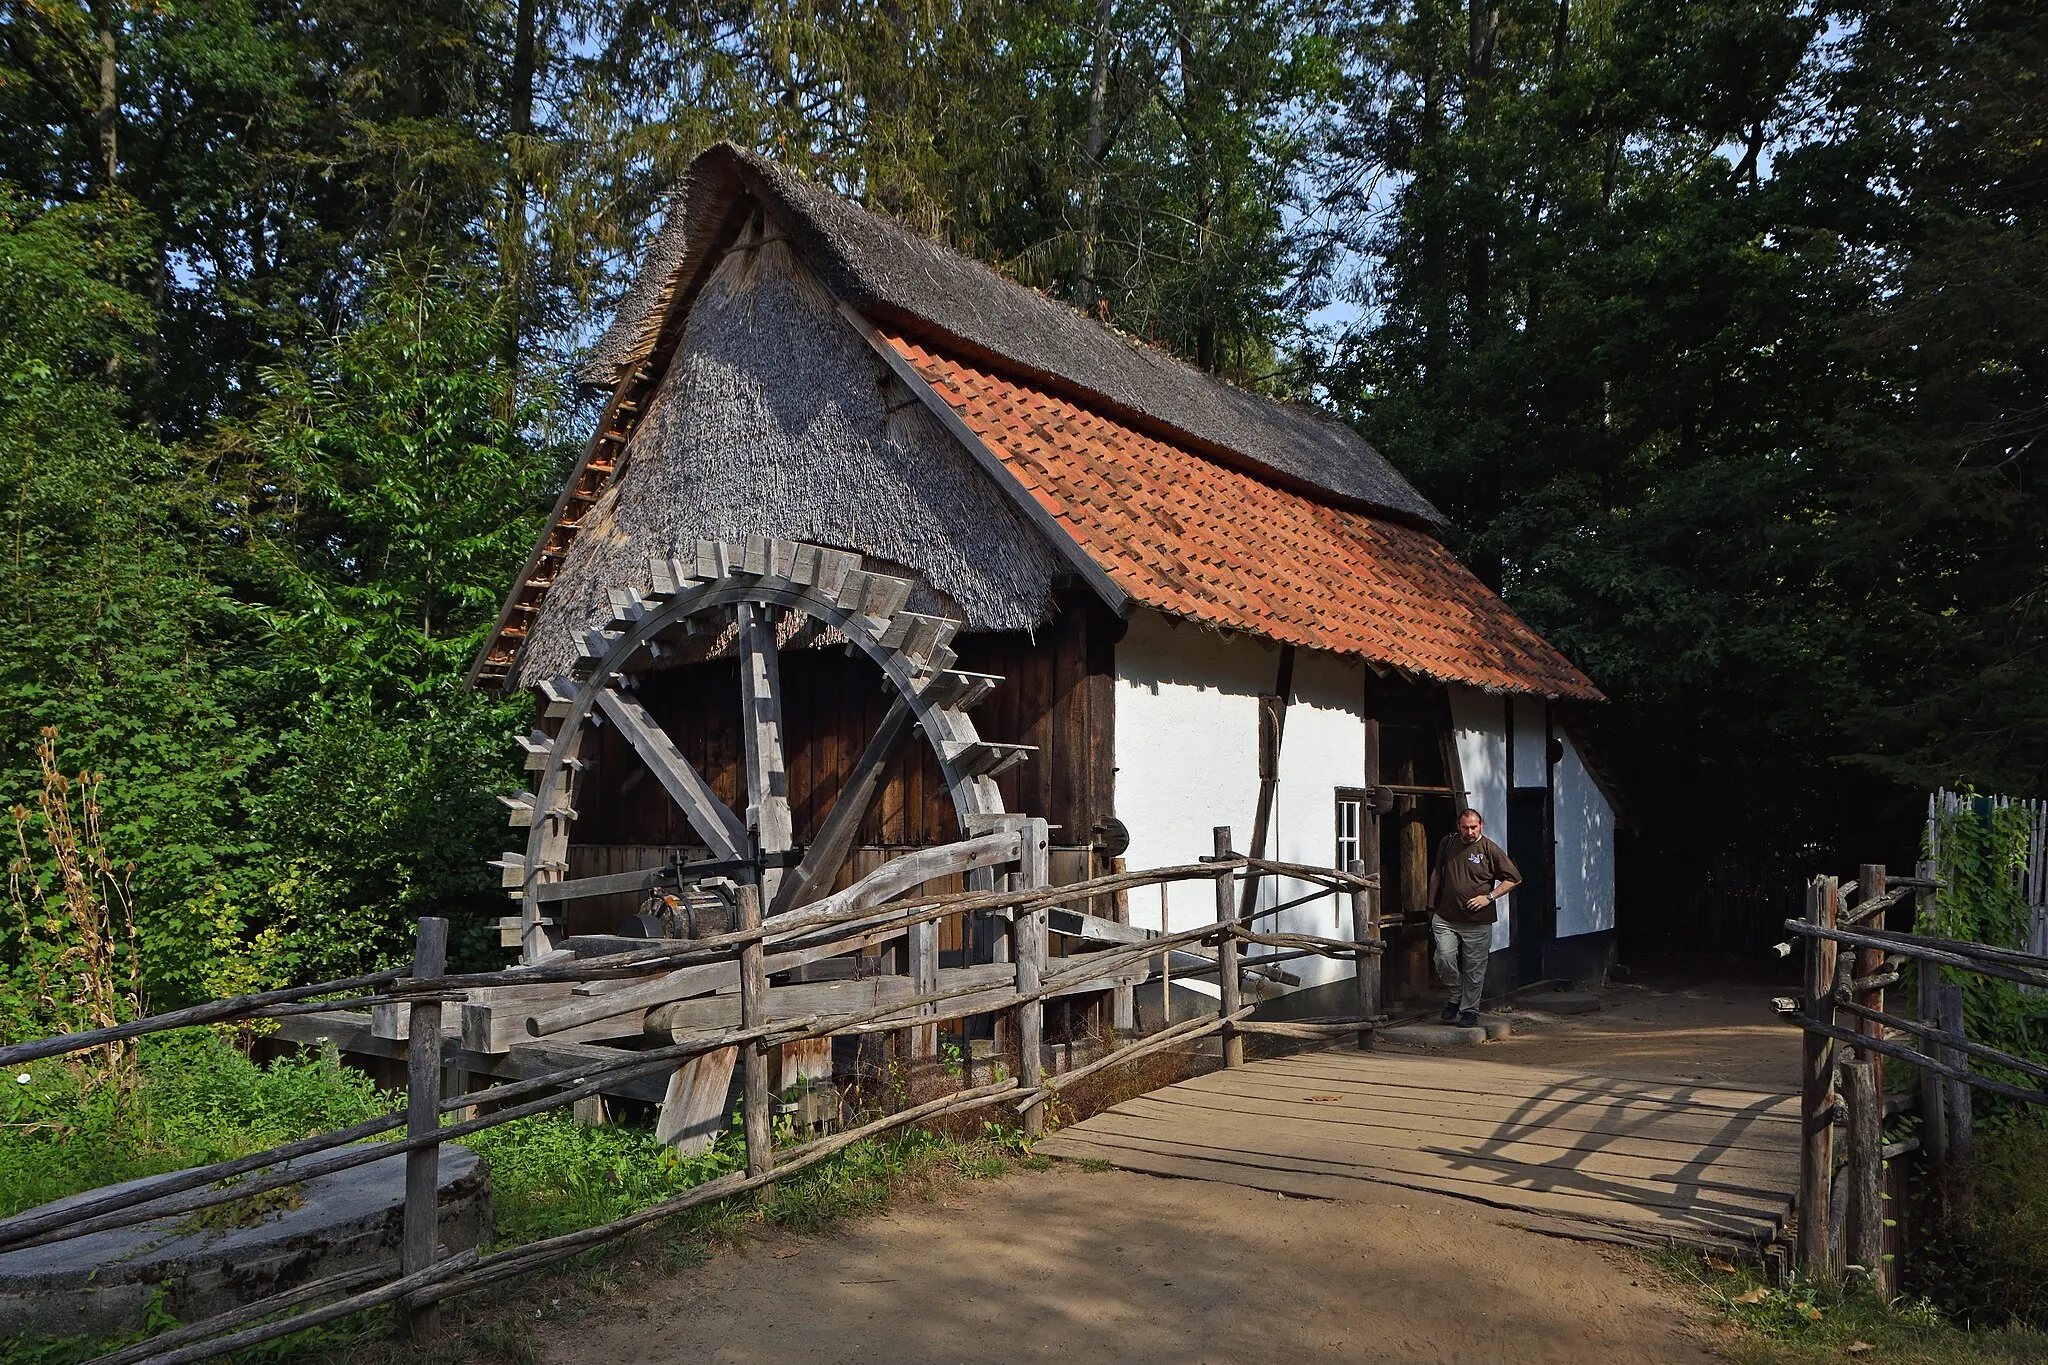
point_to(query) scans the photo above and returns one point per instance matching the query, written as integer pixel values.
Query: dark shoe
(1468, 1019)
(1450, 1013)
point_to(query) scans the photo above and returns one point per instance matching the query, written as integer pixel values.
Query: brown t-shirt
(1466, 870)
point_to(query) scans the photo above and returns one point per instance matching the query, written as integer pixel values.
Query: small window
(1350, 812)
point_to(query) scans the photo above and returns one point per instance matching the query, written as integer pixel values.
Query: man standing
(1470, 874)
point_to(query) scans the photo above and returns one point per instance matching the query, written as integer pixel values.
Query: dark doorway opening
(1532, 909)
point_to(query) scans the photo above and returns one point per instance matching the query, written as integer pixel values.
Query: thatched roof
(909, 283)
(774, 414)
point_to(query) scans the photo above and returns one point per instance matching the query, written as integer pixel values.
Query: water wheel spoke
(829, 851)
(713, 820)
(767, 787)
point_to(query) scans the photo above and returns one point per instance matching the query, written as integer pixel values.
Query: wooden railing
(839, 923)
(1851, 959)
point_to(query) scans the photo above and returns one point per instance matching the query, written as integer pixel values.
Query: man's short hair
(1473, 812)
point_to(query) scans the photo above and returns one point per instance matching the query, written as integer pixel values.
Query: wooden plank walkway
(1614, 1158)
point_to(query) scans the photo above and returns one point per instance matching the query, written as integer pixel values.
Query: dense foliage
(1717, 326)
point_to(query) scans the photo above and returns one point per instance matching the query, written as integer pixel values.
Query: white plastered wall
(1479, 725)
(1585, 849)
(1187, 760)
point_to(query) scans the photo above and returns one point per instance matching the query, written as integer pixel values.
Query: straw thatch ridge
(776, 417)
(899, 278)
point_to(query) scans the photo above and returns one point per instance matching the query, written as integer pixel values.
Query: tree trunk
(110, 95)
(515, 186)
(1091, 194)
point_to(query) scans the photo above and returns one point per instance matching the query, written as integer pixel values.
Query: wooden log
(891, 995)
(1817, 1079)
(714, 822)
(759, 1114)
(1230, 988)
(1948, 1042)
(1863, 1240)
(1307, 1028)
(1962, 1077)
(1870, 961)
(1957, 1108)
(1970, 957)
(493, 1018)
(217, 1011)
(423, 1118)
(1365, 931)
(1033, 870)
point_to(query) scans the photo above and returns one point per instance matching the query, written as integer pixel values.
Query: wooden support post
(1960, 1188)
(1365, 928)
(1226, 953)
(1870, 962)
(1034, 860)
(1863, 1239)
(1933, 1088)
(423, 1117)
(760, 1117)
(1817, 1084)
(924, 979)
(1123, 997)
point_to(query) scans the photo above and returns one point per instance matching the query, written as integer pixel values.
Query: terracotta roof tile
(1192, 537)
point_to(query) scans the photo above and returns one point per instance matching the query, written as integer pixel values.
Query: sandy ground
(1108, 1265)
(1717, 1029)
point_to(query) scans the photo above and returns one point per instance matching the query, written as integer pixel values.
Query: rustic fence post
(1226, 952)
(1034, 869)
(421, 1235)
(1365, 929)
(1933, 1087)
(1959, 1191)
(1817, 1079)
(1123, 997)
(1870, 888)
(759, 1110)
(1863, 1239)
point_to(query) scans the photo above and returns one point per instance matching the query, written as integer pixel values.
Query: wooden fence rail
(838, 923)
(1841, 1213)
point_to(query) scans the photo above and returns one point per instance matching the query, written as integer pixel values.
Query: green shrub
(1995, 1270)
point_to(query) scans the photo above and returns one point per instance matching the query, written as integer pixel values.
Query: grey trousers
(1461, 953)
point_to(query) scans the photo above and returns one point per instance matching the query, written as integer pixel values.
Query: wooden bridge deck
(1608, 1157)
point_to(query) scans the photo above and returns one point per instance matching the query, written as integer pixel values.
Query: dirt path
(1107, 1265)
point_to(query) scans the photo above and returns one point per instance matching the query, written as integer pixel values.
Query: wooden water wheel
(748, 603)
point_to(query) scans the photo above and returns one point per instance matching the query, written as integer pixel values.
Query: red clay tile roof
(1195, 538)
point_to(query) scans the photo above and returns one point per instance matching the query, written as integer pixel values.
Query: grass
(1975, 1294)
(194, 1100)
(1761, 1325)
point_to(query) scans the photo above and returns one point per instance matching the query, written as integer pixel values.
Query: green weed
(195, 1100)
(1803, 1323)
